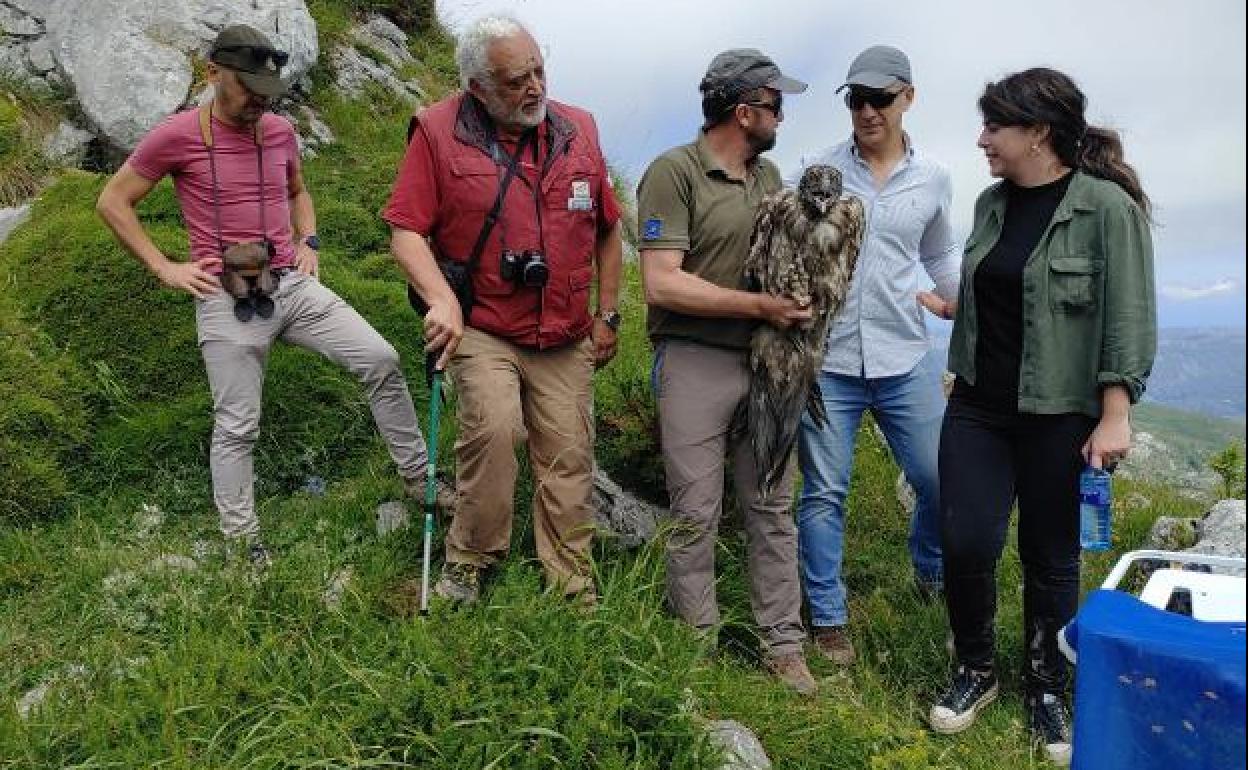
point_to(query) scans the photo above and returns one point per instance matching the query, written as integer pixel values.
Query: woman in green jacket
(1053, 340)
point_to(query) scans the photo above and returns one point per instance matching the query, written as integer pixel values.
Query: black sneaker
(1049, 722)
(969, 692)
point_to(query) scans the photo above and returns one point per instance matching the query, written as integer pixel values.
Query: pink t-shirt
(176, 147)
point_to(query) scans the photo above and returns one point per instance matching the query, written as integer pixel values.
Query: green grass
(104, 415)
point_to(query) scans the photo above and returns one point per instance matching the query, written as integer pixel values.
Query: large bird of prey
(805, 246)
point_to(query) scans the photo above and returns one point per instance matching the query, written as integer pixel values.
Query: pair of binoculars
(249, 279)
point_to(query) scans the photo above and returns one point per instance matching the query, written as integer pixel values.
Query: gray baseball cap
(738, 70)
(880, 66)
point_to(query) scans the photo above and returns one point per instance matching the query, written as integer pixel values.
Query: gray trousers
(311, 316)
(699, 390)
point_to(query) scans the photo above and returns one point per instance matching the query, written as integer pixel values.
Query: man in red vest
(507, 193)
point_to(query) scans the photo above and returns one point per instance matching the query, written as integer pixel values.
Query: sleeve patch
(653, 229)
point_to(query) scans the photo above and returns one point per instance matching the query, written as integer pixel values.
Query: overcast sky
(1168, 75)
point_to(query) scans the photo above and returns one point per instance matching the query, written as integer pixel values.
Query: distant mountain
(1200, 370)
(1197, 370)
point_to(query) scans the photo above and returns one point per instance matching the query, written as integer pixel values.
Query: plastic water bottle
(1094, 509)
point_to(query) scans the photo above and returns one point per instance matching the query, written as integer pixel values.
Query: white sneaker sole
(946, 722)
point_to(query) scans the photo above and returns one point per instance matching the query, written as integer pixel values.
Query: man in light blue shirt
(877, 355)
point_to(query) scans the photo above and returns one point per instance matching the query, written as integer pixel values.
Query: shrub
(42, 419)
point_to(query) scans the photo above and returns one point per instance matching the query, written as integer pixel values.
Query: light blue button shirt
(879, 331)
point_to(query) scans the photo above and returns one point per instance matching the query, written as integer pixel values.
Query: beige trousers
(700, 389)
(509, 396)
(311, 316)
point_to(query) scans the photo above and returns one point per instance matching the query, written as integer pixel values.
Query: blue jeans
(908, 408)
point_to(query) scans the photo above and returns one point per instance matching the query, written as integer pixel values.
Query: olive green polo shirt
(687, 201)
(1089, 303)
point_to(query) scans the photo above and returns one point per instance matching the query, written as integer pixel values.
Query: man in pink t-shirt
(236, 171)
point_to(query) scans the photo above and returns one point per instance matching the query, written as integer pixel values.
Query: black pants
(989, 458)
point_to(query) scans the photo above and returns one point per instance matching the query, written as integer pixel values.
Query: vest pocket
(1073, 283)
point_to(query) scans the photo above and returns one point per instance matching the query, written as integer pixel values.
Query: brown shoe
(791, 669)
(833, 643)
(445, 497)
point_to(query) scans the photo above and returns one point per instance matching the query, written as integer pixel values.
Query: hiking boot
(833, 643)
(967, 694)
(444, 498)
(460, 583)
(1049, 723)
(791, 669)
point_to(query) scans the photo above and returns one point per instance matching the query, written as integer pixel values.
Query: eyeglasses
(258, 55)
(857, 98)
(775, 107)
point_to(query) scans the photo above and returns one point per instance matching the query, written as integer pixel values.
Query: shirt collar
(905, 139)
(711, 165)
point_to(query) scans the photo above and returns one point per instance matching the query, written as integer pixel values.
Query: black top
(999, 294)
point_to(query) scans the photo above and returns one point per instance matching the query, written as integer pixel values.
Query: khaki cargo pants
(509, 396)
(699, 390)
(311, 316)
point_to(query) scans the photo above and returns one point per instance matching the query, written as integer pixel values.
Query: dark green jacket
(1089, 306)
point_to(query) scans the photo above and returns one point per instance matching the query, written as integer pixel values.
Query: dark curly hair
(1042, 96)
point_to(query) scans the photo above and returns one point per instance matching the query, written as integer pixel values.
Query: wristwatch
(611, 318)
(312, 242)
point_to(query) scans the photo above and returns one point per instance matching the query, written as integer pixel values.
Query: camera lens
(535, 271)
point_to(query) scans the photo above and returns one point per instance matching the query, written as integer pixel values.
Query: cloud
(1190, 293)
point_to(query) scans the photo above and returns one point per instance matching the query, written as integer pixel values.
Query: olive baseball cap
(247, 52)
(738, 70)
(880, 66)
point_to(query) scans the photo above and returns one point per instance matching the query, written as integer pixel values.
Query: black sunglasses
(775, 107)
(857, 98)
(258, 54)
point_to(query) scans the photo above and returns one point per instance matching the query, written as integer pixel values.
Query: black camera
(524, 268)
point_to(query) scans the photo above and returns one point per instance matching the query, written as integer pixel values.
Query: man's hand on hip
(604, 339)
(444, 328)
(941, 308)
(307, 261)
(191, 277)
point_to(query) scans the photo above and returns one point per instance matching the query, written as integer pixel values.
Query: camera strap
(205, 133)
(511, 164)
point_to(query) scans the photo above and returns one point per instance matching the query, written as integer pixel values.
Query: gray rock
(742, 749)
(39, 57)
(382, 36)
(128, 61)
(14, 21)
(174, 561)
(905, 494)
(318, 133)
(354, 72)
(629, 522)
(67, 146)
(332, 597)
(13, 61)
(1221, 531)
(33, 698)
(391, 517)
(1170, 533)
(11, 218)
(36, 9)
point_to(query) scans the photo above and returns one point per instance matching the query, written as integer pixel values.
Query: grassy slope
(208, 668)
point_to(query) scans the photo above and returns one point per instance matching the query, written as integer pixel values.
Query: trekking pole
(431, 486)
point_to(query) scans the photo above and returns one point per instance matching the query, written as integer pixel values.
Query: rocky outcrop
(626, 521)
(377, 54)
(1220, 532)
(130, 63)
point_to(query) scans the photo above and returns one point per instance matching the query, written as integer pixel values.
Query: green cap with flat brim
(247, 52)
(738, 70)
